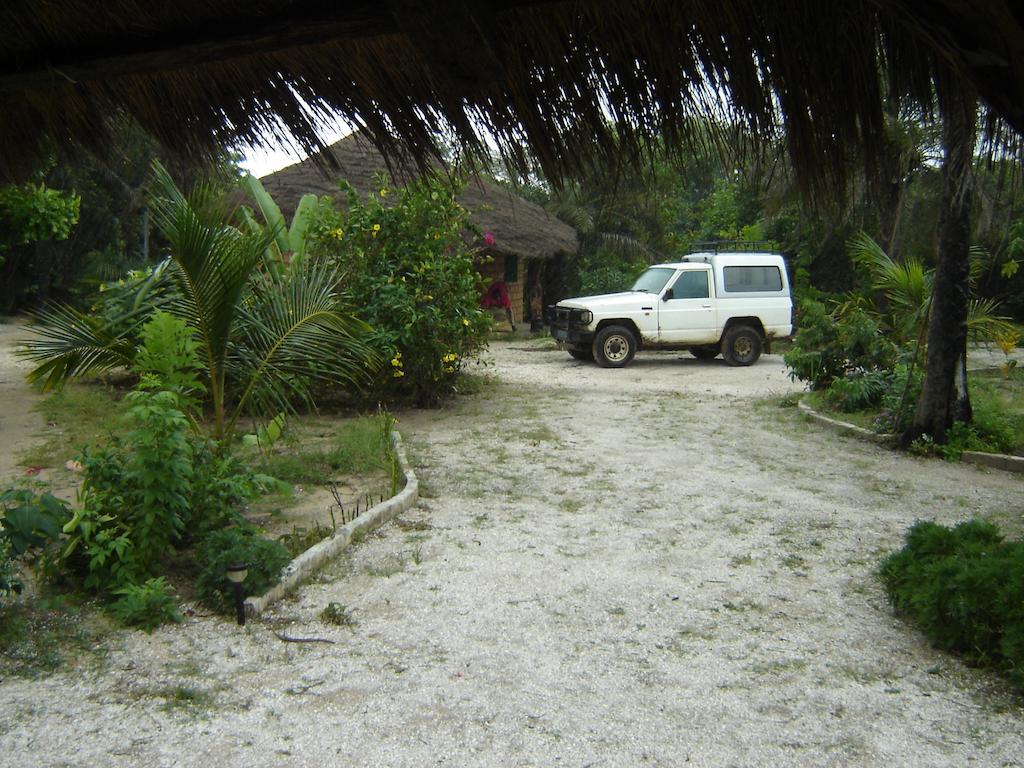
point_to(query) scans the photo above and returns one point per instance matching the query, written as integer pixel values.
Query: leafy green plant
(170, 355)
(829, 345)
(261, 342)
(146, 605)
(29, 519)
(157, 473)
(288, 248)
(858, 390)
(34, 212)
(241, 544)
(964, 588)
(10, 581)
(100, 549)
(410, 275)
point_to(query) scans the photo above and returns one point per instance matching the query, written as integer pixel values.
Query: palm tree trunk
(944, 397)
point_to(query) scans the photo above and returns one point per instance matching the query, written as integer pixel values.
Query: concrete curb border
(843, 426)
(305, 565)
(994, 460)
(991, 460)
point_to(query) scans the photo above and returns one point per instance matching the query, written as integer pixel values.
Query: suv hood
(607, 300)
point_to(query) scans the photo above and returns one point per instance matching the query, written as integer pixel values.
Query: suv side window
(691, 285)
(750, 279)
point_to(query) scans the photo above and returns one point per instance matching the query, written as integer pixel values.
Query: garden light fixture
(236, 573)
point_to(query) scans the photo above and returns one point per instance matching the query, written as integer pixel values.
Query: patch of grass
(79, 416)
(180, 697)
(794, 562)
(38, 639)
(299, 539)
(570, 505)
(339, 615)
(997, 400)
(388, 568)
(540, 434)
(355, 447)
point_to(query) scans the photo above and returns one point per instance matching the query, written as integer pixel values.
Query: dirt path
(609, 568)
(19, 423)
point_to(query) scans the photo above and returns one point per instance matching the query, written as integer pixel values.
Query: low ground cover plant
(964, 588)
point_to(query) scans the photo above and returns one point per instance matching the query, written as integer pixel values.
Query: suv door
(686, 313)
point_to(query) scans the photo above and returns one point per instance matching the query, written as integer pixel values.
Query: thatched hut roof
(520, 228)
(563, 82)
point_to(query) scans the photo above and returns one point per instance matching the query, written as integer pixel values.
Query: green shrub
(170, 355)
(29, 519)
(857, 391)
(829, 345)
(146, 605)
(409, 274)
(900, 397)
(242, 544)
(10, 582)
(964, 588)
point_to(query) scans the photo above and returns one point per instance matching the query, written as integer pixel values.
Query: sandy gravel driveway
(650, 566)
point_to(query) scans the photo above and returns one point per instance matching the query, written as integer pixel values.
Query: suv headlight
(586, 316)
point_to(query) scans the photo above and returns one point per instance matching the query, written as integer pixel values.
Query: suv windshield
(653, 280)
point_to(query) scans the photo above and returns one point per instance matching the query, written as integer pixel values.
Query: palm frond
(212, 261)
(70, 343)
(983, 322)
(292, 335)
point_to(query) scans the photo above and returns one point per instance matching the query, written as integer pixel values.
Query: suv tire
(614, 346)
(741, 345)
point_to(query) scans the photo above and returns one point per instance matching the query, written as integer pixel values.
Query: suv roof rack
(733, 246)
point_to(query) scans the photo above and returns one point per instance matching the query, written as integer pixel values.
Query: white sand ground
(608, 568)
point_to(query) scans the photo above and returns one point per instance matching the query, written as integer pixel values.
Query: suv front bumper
(568, 326)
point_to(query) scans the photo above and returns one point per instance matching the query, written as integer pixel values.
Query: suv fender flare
(753, 322)
(625, 322)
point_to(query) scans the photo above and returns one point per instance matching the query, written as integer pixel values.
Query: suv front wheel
(741, 345)
(614, 346)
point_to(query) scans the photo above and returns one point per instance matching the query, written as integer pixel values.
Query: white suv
(708, 303)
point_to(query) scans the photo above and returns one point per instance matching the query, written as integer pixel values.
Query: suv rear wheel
(614, 346)
(741, 345)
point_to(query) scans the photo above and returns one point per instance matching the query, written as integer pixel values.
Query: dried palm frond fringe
(559, 84)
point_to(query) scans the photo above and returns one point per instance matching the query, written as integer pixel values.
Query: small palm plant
(262, 341)
(907, 289)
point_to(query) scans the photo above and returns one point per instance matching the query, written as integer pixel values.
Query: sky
(259, 161)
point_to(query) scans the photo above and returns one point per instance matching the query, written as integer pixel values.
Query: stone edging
(992, 460)
(306, 564)
(843, 426)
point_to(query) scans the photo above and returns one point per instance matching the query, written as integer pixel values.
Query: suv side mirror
(668, 295)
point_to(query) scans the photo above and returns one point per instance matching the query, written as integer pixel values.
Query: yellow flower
(383, 191)
(398, 374)
(427, 297)
(376, 227)
(465, 321)
(337, 233)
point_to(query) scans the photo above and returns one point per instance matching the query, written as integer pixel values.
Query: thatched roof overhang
(563, 83)
(520, 228)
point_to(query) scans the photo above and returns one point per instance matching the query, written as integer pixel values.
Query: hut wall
(495, 271)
